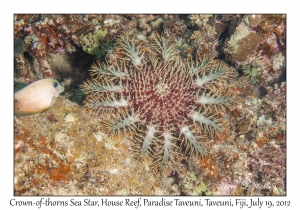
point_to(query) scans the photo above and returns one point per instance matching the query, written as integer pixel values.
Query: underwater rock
(245, 46)
(243, 41)
(254, 20)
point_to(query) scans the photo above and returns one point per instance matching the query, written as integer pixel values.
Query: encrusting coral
(167, 105)
(244, 41)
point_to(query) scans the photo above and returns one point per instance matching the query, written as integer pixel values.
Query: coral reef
(92, 43)
(63, 152)
(244, 41)
(257, 47)
(206, 34)
(44, 35)
(66, 150)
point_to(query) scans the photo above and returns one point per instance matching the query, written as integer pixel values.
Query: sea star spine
(167, 105)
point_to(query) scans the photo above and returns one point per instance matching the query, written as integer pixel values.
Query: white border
(8, 8)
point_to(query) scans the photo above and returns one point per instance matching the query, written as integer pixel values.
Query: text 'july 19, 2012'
(240, 203)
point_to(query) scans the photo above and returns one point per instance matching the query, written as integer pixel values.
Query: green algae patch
(91, 43)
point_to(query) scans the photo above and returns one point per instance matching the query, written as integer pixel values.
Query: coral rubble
(63, 152)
